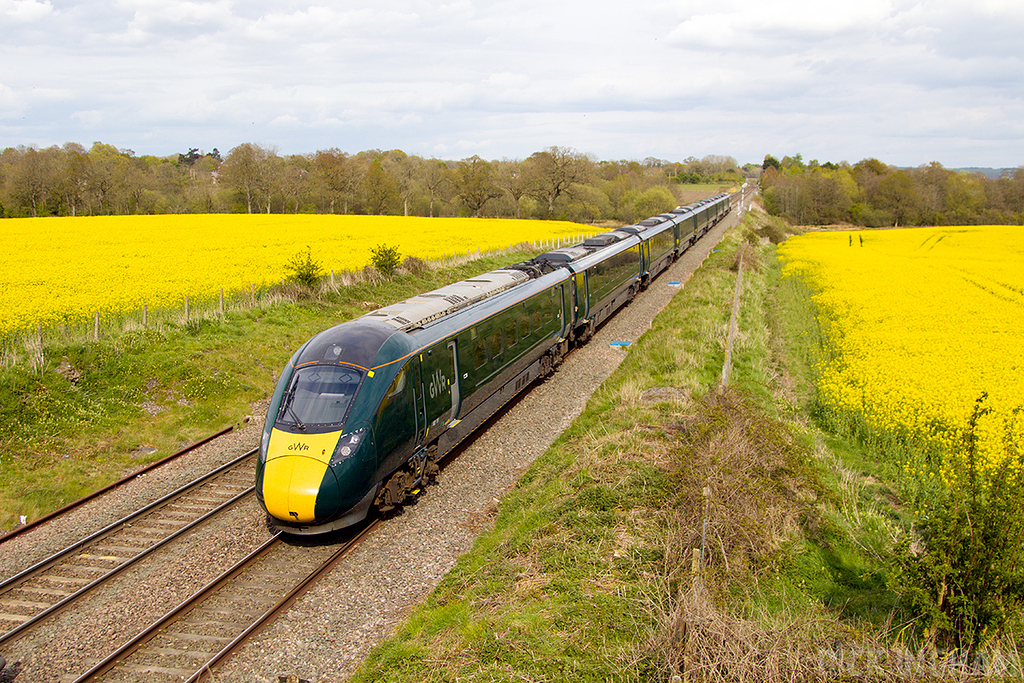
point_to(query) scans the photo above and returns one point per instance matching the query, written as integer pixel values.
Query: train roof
(596, 255)
(564, 254)
(422, 309)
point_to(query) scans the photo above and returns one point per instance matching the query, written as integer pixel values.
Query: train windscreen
(319, 396)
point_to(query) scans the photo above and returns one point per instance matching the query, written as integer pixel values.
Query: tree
(436, 176)
(896, 194)
(401, 167)
(380, 189)
(248, 171)
(555, 170)
(334, 177)
(33, 180)
(475, 184)
(514, 181)
(72, 175)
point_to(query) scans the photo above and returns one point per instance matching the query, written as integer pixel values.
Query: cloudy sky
(906, 82)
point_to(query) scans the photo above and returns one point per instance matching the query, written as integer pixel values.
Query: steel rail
(25, 574)
(284, 603)
(65, 602)
(211, 589)
(17, 531)
(140, 638)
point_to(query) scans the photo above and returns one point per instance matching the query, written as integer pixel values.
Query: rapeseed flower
(61, 271)
(919, 323)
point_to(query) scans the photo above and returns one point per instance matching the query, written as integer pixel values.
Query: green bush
(965, 586)
(385, 259)
(303, 269)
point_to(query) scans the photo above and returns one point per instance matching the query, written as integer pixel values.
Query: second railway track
(110, 576)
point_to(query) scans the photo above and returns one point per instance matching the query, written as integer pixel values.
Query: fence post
(145, 316)
(222, 302)
(96, 327)
(186, 309)
(732, 324)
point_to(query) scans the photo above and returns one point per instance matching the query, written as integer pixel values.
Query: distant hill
(988, 172)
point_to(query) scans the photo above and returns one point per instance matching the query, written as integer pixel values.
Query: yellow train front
(318, 467)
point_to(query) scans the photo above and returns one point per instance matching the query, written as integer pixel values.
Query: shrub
(966, 585)
(415, 266)
(303, 269)
(385, 259)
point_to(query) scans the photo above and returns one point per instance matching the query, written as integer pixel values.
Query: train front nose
(294, 484)
(297, 485)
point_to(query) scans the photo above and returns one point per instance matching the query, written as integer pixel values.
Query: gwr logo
(438, 384)
(298, 446)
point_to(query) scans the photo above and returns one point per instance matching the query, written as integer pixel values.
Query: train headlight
(264, 445)
(348, 444)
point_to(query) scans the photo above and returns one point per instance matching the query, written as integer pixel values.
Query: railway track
(205, 629)
(190, 639)
(33, 596)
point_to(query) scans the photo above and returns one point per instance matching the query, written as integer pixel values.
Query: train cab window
(398, 385)
(318, 396)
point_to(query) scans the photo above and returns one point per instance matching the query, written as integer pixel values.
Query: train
(364, 411)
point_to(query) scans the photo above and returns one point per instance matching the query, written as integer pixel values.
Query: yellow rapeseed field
(63, 270)
(921, 323)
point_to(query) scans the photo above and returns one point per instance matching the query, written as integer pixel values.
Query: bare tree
(475, 184)
(248, 170)
(513, 179)
(555, 170)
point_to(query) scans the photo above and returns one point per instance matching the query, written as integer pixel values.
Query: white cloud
(26, 10)
(657, 78)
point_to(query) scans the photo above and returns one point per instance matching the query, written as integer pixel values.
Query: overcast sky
(906, 82)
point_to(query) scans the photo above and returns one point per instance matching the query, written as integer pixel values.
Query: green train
(364, 410)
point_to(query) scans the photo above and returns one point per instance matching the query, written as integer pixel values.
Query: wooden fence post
(96, 327)
(186, 309)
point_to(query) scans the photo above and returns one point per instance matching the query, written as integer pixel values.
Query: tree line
(874, 194)
(556, 182)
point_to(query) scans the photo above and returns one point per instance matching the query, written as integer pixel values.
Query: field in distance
(61, 271)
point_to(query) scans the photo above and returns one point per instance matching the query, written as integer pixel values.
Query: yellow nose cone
(290, 487)
(294, 472)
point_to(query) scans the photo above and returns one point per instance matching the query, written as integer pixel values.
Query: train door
(582, 298)
(440, 385)
(419, 400)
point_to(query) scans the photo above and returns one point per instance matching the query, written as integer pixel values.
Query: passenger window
(511, 338)
(494, 343)
(479, 354)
